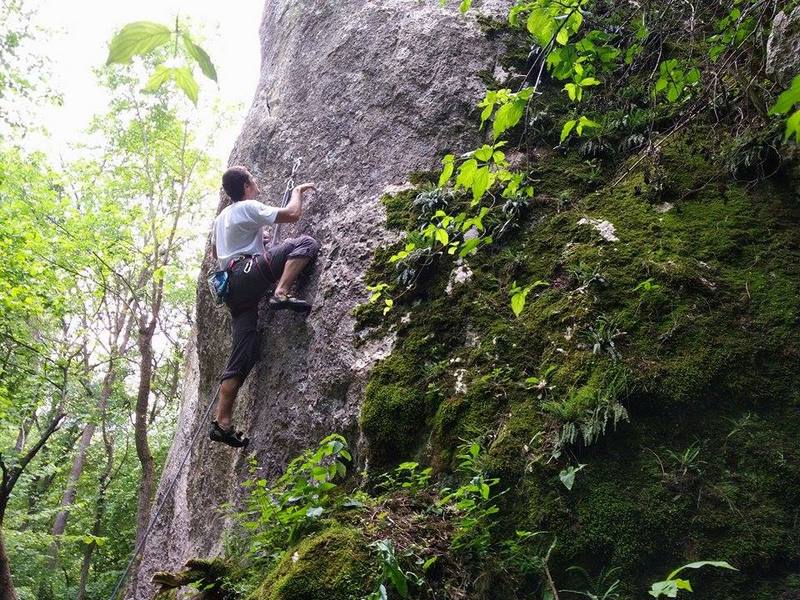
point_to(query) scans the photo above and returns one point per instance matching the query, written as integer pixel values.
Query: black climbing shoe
(289, 302)
(230, 437)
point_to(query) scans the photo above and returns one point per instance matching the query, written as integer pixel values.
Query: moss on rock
(331, 565)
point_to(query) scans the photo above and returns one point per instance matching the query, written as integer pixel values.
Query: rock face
(366, 91)
(783, 46)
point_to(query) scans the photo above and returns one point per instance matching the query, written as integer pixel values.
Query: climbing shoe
(289, 302)
(230, 436)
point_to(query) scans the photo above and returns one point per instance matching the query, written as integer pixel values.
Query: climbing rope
(286, 193)
(154, 518)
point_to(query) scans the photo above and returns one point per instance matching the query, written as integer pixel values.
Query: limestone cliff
(366, 92)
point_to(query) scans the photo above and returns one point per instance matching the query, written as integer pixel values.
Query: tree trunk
(71, 491)
(7, 591)
(140, 428)
(10, 476)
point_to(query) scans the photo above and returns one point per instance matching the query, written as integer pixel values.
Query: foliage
(407, 476)
(280, 513)
(675, 79)
(473, 502)
(673, 584)
(519, 295)
(391, 570)
(600, 588)
(567, 476)
(788, 99)
(143, 37)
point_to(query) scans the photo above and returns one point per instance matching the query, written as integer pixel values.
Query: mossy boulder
(679, 394)
(331, 565)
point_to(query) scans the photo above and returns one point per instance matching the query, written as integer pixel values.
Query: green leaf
(480, 183)
(468, 246)
(442, 237)
(465, 5)
(565, 131)
(567, 476)
(518, 303)
(793, 127)
(157, 79)
(585, 122)
(185, 80)
(542, 26)
(720, 564)
(201, 57)
(562, 37)
(787, 99)
(507, 116)
(447, 171)
(136, 39)
(466, 173)
(484, 153)
(572, 90)
(664, 588)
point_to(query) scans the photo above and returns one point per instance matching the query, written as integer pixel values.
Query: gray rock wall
(366, 91)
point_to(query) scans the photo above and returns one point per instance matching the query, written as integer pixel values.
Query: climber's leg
(244, 353)
(292, 270)
(228, 390)
(286, 262)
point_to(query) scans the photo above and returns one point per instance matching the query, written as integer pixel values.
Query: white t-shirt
(239, 229)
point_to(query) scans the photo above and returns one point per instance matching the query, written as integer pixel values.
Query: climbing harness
(286, 193)
(218, 286)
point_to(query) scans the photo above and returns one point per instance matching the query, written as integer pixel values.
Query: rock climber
(238, 245)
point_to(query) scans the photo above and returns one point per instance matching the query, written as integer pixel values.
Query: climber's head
(239, 184)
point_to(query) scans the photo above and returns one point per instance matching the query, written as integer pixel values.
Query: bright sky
(79, 42)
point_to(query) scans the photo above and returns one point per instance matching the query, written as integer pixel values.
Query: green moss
(709, 345)
(332, 565)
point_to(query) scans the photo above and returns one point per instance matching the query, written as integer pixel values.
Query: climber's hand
(306, 187)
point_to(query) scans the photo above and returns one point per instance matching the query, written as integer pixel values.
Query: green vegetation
(95, 308)
(612, 390)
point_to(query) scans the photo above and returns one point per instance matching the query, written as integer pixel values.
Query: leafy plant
(674, 79)
(785, 102)
(391, 570)
(688, 460)
(603, 335)
(473, 502)
(407, 476)
(142, 37)
(548, 20)
(280, 512)
(732, 30)
(601, 588)
(567, 476)
(379, 291)
(507, 107)
(672, 584)
(519, 295)
(479, 171)
(646, 286)
(578, 125)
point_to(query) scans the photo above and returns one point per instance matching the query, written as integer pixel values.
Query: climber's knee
(304, 246)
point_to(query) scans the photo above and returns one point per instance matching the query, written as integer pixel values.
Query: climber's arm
(292, 212)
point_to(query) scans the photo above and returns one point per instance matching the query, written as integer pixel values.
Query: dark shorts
(250, 280)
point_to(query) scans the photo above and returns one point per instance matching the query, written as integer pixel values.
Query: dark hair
(233, 182)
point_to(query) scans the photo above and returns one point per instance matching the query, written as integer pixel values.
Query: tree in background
(96, 295)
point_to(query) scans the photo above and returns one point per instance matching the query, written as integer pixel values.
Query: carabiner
(249, 265)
